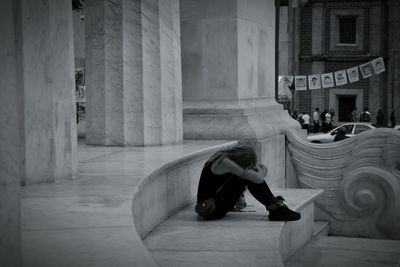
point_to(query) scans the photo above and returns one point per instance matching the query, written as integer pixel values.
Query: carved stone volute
(361, 181)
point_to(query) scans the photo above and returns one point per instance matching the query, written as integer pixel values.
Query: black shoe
(282, 213)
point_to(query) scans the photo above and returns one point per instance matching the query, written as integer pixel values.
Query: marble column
(228, 57)
(37, 113)
(47, 73)
(133, 72)
(228, 76)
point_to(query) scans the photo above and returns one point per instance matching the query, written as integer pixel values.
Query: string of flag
(338, 78)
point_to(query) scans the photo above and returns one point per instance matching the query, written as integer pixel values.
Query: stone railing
(361, 181)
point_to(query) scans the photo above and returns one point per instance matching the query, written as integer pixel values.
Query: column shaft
(47, 66)
(133, 61)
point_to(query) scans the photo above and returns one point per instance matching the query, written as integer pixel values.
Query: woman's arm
(224, 165)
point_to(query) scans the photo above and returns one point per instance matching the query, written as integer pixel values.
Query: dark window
(347, 30)
(346, 106)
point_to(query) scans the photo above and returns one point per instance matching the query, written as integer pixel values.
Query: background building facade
(322, 36)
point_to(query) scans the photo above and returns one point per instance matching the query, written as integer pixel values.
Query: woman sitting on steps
(224, 178)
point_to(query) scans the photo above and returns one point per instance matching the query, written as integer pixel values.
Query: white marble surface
(256, 71)
(208, 9)
(228, 55)
(62, 87)
(256, 46)
(228, 71)
(272, 154)
(250, 122)
(113, 73)
(264, 123)
(256, 11)
(11, 143)
(95, 71)
(47, 68)
(169, 189)
(220, 62)
(133, 72)
(360, 177)
(239, 239)
(347, 252)
(170, 65)
(88, 221)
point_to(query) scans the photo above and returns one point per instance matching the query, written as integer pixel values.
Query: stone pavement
(335, 251)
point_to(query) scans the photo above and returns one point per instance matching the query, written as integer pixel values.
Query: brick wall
(303, 98)
(362, 84)
(306, 30)
(333, 60)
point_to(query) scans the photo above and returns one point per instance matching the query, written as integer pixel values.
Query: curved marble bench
(169, 189)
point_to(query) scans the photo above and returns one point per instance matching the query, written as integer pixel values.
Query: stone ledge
(239, 239)
(254, 119)
(321, 228)
(236, 124)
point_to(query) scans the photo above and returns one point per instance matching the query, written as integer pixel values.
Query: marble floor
(88, 221)
(332, 251)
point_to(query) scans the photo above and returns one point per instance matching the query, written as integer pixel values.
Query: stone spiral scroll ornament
(361, 181)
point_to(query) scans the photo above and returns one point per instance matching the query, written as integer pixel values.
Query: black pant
(316, 127)
(229, 193)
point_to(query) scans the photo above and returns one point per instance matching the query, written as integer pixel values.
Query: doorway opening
(346, 105)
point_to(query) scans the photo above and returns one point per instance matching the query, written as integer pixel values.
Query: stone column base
(243, 120)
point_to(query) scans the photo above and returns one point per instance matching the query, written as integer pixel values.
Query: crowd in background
(323, 122)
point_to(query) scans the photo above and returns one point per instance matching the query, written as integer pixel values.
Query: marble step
(244, 238)
(332, 251)
(321, 228)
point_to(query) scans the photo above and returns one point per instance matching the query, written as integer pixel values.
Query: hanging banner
(340, 77)
(327, 80)
(314, 82)
(353, 74)
(366, 70)
(300, 82)
(378, 65)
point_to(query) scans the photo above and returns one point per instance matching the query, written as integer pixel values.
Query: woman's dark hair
(342, 131)
(244, 156)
